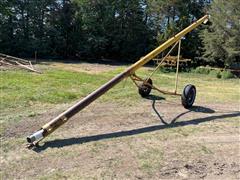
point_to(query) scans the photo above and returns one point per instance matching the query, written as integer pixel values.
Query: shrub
(227, 75)
(167, 69)
(215, 73)
(202, 70)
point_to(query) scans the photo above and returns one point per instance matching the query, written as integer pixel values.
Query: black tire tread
(144, 89)
(185, 95)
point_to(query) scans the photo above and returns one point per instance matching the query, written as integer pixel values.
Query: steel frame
(55, 123)
(136, 78)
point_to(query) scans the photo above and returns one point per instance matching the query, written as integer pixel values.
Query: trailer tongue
(188, 95)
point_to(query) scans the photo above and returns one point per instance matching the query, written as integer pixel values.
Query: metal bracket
(135, 78)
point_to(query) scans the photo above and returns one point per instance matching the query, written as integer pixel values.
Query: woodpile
(10, 61)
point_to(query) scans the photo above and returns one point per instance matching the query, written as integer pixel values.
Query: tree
(222, 38)
(133, 35)
(7, 26)
(169, 17)
(114, 28)
(64, 29)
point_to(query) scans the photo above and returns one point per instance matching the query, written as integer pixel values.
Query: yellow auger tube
(168, 43)
(66, 115)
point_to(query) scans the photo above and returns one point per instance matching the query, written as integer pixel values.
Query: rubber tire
(144, 90)
(188, 96)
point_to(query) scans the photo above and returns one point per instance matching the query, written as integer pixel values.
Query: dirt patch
(201, 170)
(120, 141)
(23, 127)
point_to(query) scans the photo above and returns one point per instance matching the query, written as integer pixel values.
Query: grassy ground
(96, 149)
(21, 90)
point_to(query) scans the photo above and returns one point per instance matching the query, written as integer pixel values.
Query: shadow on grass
(192, 109)
(154, 98)
(58, 143)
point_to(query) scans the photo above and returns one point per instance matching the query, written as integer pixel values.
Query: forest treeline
(118, 29)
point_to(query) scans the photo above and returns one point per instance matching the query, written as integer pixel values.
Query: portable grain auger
(144, 88)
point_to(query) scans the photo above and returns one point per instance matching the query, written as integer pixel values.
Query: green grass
(26, 93)
(19, 88)
(150, 159)
(205, 149)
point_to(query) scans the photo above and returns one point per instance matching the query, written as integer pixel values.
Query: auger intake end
(35, 137)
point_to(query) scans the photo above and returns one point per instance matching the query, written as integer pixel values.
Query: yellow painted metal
(167, 44)
(178, 58)
(63, 117)
(161, 62)
(135, 78)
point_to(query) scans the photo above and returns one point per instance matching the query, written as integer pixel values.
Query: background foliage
(117, 29)
(222, 38)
